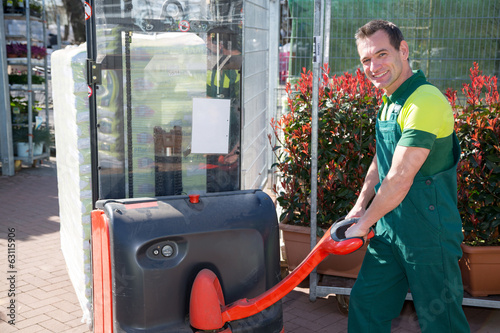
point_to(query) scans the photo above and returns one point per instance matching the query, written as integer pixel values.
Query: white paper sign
(210, 130)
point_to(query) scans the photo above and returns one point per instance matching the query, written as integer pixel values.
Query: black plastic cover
(159, 245)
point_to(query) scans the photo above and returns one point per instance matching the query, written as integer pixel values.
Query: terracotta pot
(480, 266)
(297, 241)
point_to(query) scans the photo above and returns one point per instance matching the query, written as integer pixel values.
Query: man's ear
(404, 50)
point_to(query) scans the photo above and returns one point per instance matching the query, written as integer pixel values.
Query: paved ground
(44, 297)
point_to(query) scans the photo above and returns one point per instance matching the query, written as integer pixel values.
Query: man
(223, 81)
(410, 193)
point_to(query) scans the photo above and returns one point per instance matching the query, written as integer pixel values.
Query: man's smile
(379, 75)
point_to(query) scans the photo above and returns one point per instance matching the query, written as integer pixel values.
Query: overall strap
(400, 102)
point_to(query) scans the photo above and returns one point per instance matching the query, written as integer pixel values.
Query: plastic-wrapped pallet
(71, 122)
(167, 71)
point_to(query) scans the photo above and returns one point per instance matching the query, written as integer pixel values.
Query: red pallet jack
(208, 311)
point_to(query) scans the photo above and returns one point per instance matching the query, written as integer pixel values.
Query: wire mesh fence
(445, 36)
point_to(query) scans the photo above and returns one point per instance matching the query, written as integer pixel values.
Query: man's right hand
(356, 212)
(357, 230)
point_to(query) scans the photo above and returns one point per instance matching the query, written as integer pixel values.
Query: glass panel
(158, 57)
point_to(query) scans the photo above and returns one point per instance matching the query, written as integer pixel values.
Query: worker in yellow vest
(223, 81)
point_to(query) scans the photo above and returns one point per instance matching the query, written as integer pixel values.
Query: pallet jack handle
(208, 310)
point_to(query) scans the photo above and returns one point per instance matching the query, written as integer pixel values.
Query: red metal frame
(207, 308)
(101, 265)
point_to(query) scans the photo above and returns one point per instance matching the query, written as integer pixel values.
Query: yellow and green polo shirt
(426, 121)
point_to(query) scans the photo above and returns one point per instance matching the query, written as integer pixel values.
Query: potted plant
(8, 6)
(478, 129)
(22, 78)
(36, 8)
(11, 50)
(38, 52)
(18, 78)
(20, 137)
(16, 50)
(41, 137)
(346, 145)
(19, 110)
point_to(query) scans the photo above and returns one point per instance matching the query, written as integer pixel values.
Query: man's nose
(374, 65)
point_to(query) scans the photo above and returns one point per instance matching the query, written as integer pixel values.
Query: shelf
(24, 87)
(27, 159)
(21, 17)
(21, 37)
(24, 61)
(25, 28)
(16, 28)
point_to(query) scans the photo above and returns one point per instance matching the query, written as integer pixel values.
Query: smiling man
(410, 195)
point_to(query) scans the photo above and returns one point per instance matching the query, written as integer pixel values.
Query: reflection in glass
(156, 57)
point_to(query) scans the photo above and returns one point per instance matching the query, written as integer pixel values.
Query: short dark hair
(230, 40)
(395, 35)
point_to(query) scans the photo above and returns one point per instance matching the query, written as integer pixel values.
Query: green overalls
(417, 246)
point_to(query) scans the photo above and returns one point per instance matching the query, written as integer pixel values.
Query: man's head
(395, 35)
(229, 41)
(384, 54)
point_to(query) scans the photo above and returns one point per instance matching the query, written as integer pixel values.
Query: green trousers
(383, 282)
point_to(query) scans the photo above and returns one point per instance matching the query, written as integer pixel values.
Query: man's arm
(405, 164)
(367, 191)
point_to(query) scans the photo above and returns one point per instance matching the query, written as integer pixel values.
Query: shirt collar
(414, 79)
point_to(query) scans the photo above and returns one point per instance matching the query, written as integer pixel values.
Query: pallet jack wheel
(343, 303)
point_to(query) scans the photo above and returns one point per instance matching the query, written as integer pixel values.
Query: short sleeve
(426, 116)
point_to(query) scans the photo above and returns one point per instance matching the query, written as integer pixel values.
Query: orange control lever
(207, 308)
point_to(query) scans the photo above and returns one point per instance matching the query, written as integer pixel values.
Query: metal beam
(317, 58)
(6, 147)
(273, 70)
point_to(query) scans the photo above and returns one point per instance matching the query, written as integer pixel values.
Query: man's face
(382, 63)
(212, 43)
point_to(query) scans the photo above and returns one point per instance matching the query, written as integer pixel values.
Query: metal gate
(445, 38)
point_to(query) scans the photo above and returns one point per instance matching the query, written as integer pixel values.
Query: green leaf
(275, 165)
(493, 158)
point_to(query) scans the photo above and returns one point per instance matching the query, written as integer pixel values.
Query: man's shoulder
(428, 95)
(428, 110)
